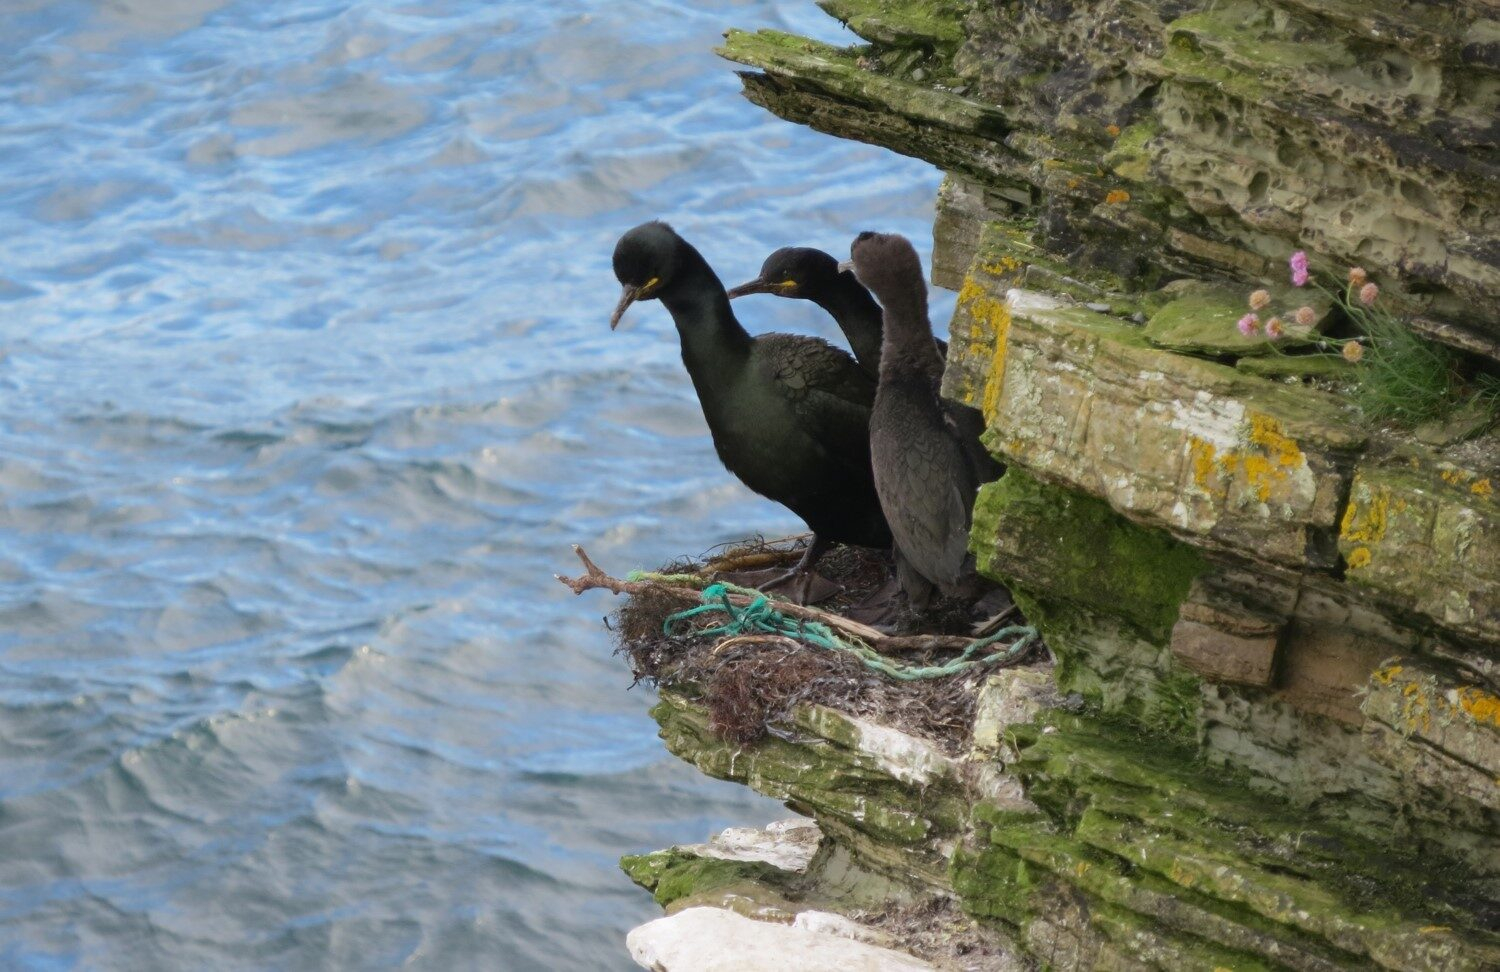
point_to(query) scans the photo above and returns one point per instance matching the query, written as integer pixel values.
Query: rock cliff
(1276, 623)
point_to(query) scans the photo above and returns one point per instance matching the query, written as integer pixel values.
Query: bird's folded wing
(829, 392)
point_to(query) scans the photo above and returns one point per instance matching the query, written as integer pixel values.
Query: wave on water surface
(306, 386)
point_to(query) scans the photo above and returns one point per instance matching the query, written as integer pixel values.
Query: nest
(750, 683)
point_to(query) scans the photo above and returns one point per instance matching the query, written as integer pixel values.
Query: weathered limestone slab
(716, 940)
(1202, 318)
(832, 923)
(964, 212)
(1109, 595)
(888, 796)
(1009, 259)
(1012, 697)
(788, 845)
(1426, 536)
(1325, 669)
(1441, 731)
(1187, 868)
(1225, 643)
(1122, 850)
(681, 877)
(751, 871)
(1249, 466)
(1193, 138)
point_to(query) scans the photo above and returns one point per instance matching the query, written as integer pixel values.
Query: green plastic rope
(760, 617)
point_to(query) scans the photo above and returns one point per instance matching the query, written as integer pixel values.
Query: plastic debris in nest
(752, 669)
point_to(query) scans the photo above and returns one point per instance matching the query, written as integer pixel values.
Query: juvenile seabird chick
(927, 469)
(789, 414)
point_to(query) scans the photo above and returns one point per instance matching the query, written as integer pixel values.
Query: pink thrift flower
(1274, 330)
(1259, 299)
(1353, 351)
(1298, 263)
(1306, 316)
(1368, 293)
(1357, 276)
(1249, 324)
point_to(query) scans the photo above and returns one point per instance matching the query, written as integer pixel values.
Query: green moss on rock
(1199, 863)
(1104, 592)
(1203, 319)
(934, 23)
(1026, 531)
(844, 73)
(1299, 366)
(672, 875)
(1128, 156)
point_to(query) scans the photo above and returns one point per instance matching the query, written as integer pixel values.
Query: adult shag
(805, 273)
(789, 414)
(927, 466)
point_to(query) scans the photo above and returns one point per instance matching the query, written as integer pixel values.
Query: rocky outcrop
(715, 940)
(1271, 738)
(1077, 841)
(1136, 142)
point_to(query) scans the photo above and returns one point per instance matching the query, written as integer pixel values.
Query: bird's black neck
(714, 344)
(857, 315)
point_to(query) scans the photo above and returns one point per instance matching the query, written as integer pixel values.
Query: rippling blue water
(306, 388)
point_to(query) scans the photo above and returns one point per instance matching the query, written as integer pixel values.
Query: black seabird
(805, 273)
(789, 414)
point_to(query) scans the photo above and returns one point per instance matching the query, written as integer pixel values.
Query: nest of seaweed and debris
(751, 682)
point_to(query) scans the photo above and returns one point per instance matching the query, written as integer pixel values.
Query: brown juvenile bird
(789, 414)
(927, 467)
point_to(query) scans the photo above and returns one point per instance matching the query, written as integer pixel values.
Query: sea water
(306, 387)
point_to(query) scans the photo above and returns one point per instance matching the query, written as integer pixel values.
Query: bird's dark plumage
(789, 414)
(927, 468)
(801, 272)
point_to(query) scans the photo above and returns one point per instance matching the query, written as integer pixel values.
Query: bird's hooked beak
(629, 296)
(760, 285)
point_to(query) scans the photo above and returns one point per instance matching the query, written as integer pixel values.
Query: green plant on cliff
(1399, 375)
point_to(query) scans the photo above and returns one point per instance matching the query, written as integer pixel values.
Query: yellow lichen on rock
(1481, 706)
(1267, 464)
(1202, 457)
(1259, 474)
(1267, 433)
(1478, 485)
(1006, 264)
(987, 313)
(1366, 522)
